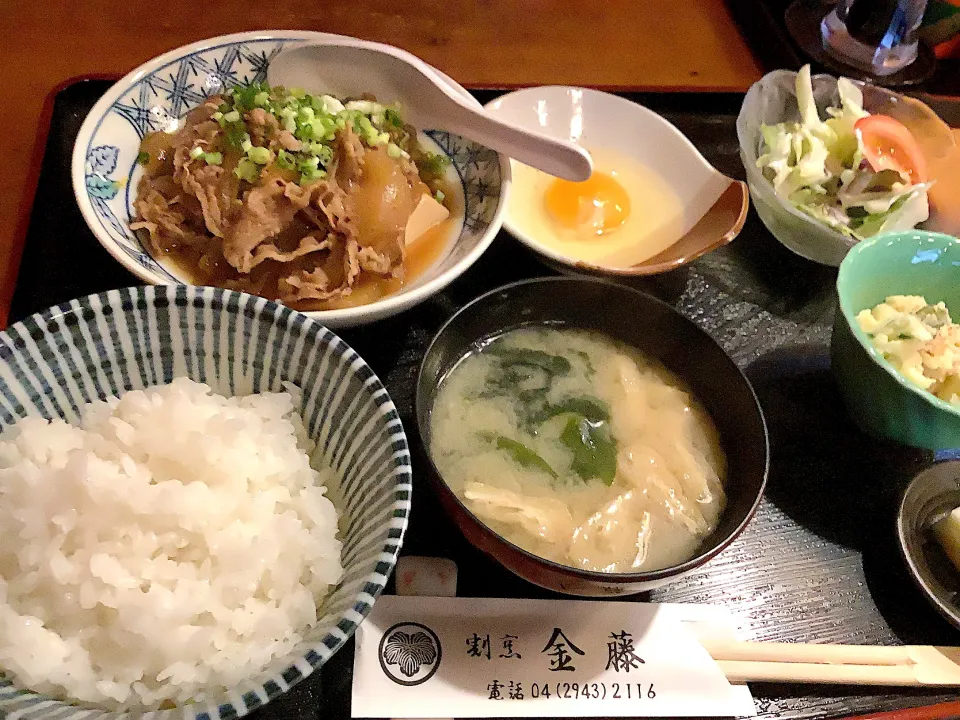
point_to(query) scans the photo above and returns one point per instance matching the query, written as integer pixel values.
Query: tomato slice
(888, 145)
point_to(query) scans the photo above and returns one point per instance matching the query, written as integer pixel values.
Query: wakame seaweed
(522, 454)
(593, 409)
(594, 449)
(527, 376)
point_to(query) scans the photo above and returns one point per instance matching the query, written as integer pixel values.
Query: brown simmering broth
(421, 256)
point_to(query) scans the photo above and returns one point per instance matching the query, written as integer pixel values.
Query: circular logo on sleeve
(410, 653)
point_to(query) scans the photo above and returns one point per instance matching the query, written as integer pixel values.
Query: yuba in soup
(580, 450)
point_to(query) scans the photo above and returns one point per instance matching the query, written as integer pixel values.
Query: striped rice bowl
(201, 495)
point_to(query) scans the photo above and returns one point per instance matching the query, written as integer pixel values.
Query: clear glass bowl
(773, 99)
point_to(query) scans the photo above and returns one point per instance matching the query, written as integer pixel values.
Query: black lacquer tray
(818, 563)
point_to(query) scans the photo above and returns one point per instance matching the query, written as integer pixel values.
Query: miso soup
(580, 450)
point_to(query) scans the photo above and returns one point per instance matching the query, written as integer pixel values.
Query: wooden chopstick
(809, 653)
(890, 675)
(907, 665)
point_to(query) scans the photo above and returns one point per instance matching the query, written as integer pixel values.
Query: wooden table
(623, 44)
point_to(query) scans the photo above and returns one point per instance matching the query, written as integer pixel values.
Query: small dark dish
(652, 327)
(930, 496)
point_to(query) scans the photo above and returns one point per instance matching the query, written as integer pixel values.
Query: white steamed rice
(169, 547)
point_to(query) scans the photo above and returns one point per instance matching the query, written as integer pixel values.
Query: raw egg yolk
(598, 205)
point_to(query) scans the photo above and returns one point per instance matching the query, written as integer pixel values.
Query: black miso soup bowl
(654, 328)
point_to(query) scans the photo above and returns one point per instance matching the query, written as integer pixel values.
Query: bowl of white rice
(202, 493)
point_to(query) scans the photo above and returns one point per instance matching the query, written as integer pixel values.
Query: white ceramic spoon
(349, 67)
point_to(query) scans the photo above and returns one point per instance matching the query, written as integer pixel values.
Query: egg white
(655, 221)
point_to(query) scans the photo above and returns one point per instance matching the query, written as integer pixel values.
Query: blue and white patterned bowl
(54, 362)
(159, 92)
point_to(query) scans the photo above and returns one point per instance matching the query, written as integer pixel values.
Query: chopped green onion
(366, 127)
(439, 196)
(195, 152)
(260, 155)
(325, 153)
(236, 134)
(247, 170)
(244, 98)
(314, 120)
(393, 117)
(288, 117)
(433, 163)
(285, 161)
(311, 175)
(331, 105)
(143, 158)
(367, 107)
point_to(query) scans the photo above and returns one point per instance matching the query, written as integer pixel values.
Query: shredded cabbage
(818, 166)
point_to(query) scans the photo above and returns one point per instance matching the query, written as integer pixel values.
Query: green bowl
(881, 401)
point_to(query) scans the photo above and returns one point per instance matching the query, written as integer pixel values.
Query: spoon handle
(561, 158)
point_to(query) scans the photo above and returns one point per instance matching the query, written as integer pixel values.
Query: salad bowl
(803, 227)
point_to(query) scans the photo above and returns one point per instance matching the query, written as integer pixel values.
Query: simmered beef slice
(321, 236)
(271, 207)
